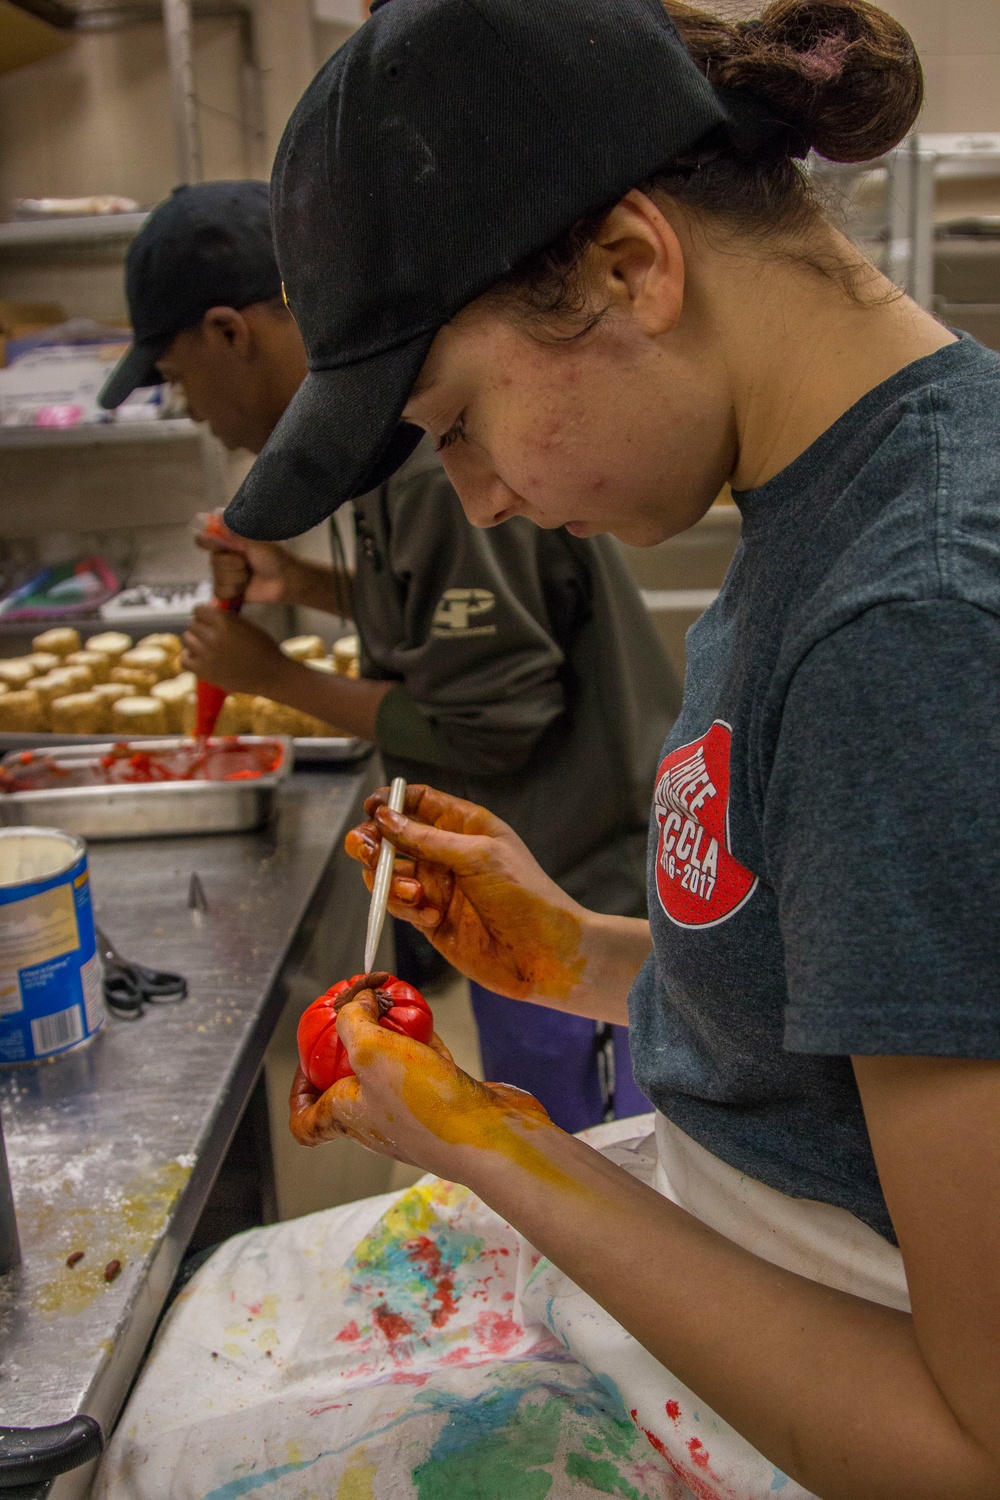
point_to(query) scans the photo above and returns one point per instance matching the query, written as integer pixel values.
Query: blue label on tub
(50, 975)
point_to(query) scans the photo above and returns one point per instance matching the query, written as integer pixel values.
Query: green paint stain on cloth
(507, 1463)
(601, 1475)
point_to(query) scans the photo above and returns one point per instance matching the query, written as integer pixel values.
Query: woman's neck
(801, 346)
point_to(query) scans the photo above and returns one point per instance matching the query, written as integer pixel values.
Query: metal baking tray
(327, 751)
(158, 810)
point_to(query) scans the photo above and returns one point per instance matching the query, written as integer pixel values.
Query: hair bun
(842, 72)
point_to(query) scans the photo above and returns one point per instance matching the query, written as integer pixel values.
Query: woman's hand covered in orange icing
(408, 1100)
(472, 887)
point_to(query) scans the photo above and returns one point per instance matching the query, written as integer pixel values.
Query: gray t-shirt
(824, 863)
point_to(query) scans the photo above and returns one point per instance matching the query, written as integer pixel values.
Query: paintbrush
(383, 879)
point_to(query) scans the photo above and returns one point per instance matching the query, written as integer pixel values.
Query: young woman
(793, 1287)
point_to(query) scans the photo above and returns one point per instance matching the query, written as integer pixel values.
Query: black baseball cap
(207, 245)
(443, 144)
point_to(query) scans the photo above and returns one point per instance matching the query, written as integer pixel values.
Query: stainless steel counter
(113, 1148)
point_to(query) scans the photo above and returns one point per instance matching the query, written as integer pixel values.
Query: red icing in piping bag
(209, 698)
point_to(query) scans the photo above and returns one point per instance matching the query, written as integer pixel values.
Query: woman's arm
(465, 880)
(853, 1400)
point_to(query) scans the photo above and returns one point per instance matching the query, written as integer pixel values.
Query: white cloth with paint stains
(414, 1345)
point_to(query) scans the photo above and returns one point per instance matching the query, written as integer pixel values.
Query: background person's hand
(262, 571)
(227, 650)
(407, 1100)
(466, 880)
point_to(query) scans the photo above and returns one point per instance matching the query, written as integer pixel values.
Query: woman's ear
(226, 325)
(640, 262)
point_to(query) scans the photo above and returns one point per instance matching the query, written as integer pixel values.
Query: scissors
(129, 986)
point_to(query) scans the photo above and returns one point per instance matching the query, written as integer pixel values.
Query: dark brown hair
(843, 76)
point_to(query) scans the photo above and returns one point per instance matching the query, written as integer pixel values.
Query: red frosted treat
(321, 1052)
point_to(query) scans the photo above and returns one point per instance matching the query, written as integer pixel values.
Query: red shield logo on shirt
(698, 880)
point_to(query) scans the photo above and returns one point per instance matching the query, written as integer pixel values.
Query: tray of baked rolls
(84, 691)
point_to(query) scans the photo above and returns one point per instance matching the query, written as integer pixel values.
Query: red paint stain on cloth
(424, 1252)
(695, 1483)
(348, 1333)
(498, 1331)
(698, 1452)
(673, 1410)
(457, 1356)
(392, 1324)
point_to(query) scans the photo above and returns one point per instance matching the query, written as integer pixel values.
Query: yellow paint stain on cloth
(357, 1482)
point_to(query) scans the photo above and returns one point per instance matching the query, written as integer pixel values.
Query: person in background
(514, 667)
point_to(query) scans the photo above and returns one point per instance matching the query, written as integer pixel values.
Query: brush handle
(383, 879)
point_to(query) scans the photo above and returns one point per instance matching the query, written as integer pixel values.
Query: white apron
(414, 1347)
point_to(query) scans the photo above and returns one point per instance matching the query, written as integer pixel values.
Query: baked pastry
(3, 689)
(138, 715)
(143, 682)
(173, 694)
(189, 713)
(60, 683)
(97, 661)
(21, 712)
(347, 656)
(318, 729)
(148, 659)
(17, 672)
(80, 713)
(113, 643)
(60, 640)
(234, 716)
(110, 692)
(163, 640)
(43, 661)
(267, 717)
(50, 685)
(320, 664)
(80, 679)
(302, 647)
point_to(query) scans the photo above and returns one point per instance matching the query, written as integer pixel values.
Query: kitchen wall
(97, 117)
(959, 46)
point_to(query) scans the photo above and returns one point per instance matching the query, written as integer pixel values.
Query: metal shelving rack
(888, 205)
(101, 434)
(915, 168)
(94, 229)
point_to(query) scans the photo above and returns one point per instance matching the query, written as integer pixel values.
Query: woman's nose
(485, 498)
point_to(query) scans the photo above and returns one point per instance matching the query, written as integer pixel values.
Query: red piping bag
(209, 698)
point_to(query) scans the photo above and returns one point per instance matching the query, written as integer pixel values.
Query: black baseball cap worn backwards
(444, 143)
(207, 245)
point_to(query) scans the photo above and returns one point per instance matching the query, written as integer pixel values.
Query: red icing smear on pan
(227, 759)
